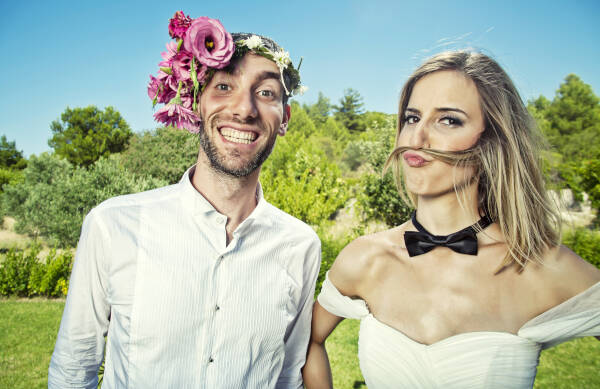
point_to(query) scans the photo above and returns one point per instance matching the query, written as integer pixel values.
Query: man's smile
(236, 136)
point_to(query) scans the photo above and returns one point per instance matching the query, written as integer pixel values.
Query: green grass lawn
(27, 334)
(28, 330)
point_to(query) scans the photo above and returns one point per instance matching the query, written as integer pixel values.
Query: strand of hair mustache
(524, 247)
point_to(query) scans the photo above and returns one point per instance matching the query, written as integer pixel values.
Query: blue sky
(78, 53)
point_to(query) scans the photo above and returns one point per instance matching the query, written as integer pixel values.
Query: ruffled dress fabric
(390, 359)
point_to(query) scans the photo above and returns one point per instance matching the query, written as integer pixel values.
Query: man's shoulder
(134, 201)
(289, 224)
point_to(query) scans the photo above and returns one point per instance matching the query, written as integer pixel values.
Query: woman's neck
(444, 214)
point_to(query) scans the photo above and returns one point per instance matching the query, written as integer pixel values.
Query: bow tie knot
(463, 241)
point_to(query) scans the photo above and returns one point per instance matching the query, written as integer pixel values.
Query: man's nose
(243, 105)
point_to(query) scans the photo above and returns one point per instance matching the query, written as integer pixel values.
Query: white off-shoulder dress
(390, 359)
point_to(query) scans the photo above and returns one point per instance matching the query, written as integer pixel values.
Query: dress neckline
(490, 333)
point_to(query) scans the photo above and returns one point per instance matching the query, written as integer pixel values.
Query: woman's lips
(413, 159)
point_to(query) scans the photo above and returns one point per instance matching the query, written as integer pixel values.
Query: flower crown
(201, 47)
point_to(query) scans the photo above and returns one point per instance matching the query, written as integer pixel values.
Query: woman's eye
(223, 87)
(450, 121)
(411, 119)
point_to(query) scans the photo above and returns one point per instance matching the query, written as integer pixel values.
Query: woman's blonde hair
(507, 157)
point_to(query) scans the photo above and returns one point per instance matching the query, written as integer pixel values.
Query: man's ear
(287, 114)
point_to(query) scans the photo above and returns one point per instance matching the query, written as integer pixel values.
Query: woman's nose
(419, 138)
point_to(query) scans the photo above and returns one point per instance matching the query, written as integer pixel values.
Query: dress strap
(576, 317)
(343, 306)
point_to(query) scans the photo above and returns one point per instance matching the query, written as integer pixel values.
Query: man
(202, 284)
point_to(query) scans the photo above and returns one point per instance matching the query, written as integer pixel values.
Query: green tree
(571, 121)
(11, 163)
(10, 157)
(349, 111)
(83, 135)
(308, 187)
(54, 196)
(319, 111)
(164, 153)
(589, 182)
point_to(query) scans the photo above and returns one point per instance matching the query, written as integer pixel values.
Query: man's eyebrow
(268, 75)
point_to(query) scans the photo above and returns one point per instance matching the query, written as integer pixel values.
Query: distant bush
(22, 274)
(330, 248)
(585, 243)
(16, 269)
(308, 187)
(380, 200)
(54, 196)
(164, 154)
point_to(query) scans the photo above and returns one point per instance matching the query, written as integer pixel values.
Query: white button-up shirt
(181, 308)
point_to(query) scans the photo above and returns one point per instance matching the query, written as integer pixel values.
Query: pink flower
(168, 55)
(181, 64)
(178, 25)
(178, 116)
(209, 42)
(161, 88)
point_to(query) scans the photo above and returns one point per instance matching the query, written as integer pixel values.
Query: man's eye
(266, 93)
(411, 119)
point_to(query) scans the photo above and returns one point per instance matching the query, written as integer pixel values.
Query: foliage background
(327, 171)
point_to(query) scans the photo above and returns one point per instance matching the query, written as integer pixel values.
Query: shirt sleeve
(298, 335)
(79, 347)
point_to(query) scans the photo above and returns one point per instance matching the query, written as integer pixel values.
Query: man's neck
(234, 197)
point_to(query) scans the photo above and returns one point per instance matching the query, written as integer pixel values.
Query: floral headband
(201, 47)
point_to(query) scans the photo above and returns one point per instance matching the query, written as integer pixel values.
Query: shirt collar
(198, 204)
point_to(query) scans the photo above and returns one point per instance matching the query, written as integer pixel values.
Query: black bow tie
(463, 241)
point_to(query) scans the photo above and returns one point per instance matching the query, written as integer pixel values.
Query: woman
(468, 292)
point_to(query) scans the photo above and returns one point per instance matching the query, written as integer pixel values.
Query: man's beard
(217, 160)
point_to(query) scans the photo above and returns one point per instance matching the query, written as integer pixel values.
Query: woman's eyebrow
(448, 109)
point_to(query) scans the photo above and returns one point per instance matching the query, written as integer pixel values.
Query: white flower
(253, 42)
(300, 90)
(282, 59)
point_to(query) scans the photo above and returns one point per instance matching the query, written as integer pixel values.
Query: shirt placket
(212, 308)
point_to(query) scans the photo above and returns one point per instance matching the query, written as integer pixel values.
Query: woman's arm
(348, 274)
(317, 372)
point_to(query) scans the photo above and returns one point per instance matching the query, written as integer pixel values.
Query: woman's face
(443, 113)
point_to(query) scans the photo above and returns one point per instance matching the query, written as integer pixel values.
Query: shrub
(22, 274)
(585, 243)
(380, 200)
(330, 248)
(164, 154)
(55, 281)
(54, 196)
(309, 188)
(16, 269)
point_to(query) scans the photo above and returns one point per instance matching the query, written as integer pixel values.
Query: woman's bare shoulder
(363, 258)
(566, 270)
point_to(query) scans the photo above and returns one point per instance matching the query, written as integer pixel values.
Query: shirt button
(217, 307)
(210, 360)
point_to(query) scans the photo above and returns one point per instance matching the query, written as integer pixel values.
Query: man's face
(242, 114)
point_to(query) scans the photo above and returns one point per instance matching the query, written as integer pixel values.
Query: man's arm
(79, 347)
(296, 343)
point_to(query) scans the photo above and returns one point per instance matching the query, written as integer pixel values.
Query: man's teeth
(238, 136)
